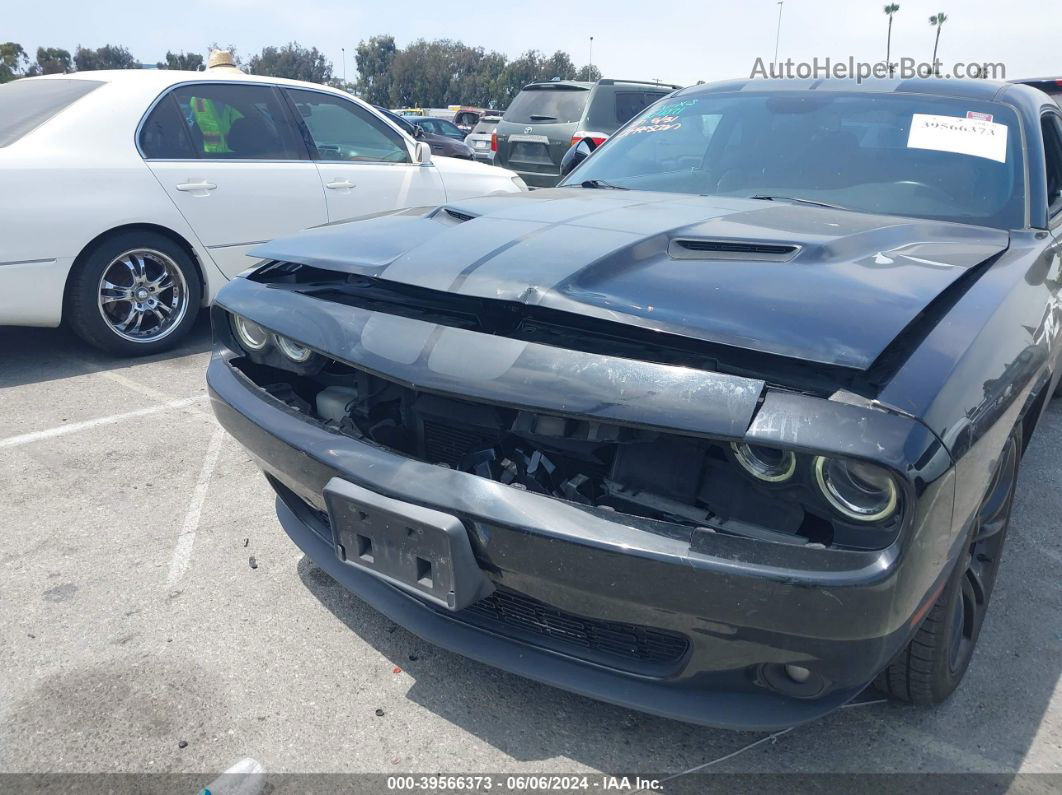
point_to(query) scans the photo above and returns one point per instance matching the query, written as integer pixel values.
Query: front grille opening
(646, 650)
(682, 481)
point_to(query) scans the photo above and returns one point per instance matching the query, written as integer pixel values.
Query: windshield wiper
(600, 184)
(797, 200)
(540, 117)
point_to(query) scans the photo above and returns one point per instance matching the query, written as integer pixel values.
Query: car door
(365, 165)
(230, 157)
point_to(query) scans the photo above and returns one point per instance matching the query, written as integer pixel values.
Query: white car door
(233, 161)
(366, 166)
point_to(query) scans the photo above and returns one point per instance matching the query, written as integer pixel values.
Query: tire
(933, 663)
(133, 294)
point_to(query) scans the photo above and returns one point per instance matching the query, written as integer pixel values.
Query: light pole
(344, 51)
(590, 66)
(778, 32)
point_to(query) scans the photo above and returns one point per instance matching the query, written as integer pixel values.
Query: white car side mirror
(422, 154)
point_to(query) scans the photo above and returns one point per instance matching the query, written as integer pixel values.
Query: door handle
(194, 186)
(340, 184)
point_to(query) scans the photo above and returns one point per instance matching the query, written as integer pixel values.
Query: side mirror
(422, 154)
(576, 155)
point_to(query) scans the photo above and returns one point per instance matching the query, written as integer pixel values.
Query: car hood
(829, 286)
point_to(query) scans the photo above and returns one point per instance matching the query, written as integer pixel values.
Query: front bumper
(746, 607)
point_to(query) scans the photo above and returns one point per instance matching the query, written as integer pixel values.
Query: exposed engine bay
(667, 477)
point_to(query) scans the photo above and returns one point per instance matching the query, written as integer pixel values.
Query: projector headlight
(250, 334)
(857, 490)
(768, 464)
(293, 350)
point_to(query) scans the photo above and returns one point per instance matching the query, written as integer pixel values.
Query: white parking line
(182, 553)
(148, 391)
(73, 427)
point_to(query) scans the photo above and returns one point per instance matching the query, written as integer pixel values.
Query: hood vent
(732, 249)
(452, 215)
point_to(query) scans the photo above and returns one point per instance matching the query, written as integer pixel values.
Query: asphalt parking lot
(154, 617)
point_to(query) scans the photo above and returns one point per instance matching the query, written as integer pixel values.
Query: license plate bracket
(420, 550)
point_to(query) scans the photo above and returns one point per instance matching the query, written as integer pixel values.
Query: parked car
(545, 119)
(168, 178)
(438, 127)
(441, 145)
(1052, 86)
(466, 118)
(723, 428)
(481, 139)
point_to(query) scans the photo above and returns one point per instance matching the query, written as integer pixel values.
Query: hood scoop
(700, 249)
(450, 215)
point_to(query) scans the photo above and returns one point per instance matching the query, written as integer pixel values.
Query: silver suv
(480, 137)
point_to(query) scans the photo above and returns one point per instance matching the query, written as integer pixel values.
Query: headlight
(765, 463)
(519, 183)
(859, 491)
(293, 350)
(250, 334)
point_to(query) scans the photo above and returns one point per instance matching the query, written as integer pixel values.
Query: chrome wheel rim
(143, 295)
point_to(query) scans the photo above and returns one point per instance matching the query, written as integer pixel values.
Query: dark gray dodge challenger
(724, 428)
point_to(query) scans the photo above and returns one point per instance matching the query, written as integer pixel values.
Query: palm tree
(937, 21)
(890, 9)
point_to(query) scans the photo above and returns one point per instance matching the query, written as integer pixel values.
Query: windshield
(902, 154)
(548, 105)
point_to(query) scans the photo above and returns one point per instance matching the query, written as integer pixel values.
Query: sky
(675, 41)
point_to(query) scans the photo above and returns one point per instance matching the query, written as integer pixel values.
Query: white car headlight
(519, 183)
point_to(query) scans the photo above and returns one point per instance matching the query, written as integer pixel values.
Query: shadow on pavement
(32, 355)
(988, 725)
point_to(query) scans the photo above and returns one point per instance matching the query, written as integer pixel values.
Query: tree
(558, 66)
(588, 74)
(517, 74)
(52, 61)
(293, 62)
(421, 73)
(373, 59)
(110, 56)
(937, 21)
(13, 61)
(184, 61)
(890, 9)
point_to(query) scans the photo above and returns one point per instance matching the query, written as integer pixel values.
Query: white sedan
(130, 197)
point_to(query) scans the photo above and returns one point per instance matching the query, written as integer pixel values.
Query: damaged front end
(465, 384)
(633, 522)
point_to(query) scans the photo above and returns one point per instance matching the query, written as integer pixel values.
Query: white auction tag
(974, 137)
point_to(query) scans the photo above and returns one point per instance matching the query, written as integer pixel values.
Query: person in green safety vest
(215, 120)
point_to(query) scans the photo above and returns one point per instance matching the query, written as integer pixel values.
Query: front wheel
(135, 293)
(931, 666)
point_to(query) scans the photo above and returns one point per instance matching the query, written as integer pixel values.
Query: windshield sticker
(656, 124)
(976, 114)
(668, 109)
(973, 137)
